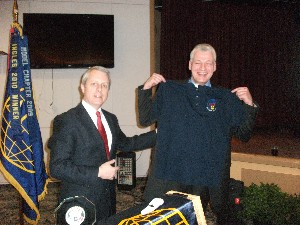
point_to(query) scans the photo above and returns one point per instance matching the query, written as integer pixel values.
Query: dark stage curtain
(258, 46)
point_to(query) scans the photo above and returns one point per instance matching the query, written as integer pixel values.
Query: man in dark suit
(195, 123)
(78, 157)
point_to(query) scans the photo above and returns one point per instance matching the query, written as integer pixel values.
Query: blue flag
(22, 156)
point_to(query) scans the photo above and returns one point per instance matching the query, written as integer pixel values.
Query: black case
(126, 175)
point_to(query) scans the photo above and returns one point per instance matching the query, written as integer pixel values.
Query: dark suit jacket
(216, 130)
(77, 151)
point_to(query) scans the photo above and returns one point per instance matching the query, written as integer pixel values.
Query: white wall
(56, 90)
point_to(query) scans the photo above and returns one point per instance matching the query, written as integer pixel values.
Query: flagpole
(15, 14)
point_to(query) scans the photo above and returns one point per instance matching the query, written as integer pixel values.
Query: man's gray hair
(86, 74)
(203, 48)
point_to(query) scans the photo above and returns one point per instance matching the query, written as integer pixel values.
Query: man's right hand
(154, 80)
(108, 170)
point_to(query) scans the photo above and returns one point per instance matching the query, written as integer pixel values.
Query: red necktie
(102, 132)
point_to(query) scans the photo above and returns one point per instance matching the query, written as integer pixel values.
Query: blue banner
(22, 156)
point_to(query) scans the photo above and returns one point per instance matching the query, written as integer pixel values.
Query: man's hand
(154, 80)
(243, 94)
(108, 170)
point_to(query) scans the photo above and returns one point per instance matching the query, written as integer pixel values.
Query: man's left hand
(243, 94)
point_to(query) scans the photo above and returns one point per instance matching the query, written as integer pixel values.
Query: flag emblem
(211, 105)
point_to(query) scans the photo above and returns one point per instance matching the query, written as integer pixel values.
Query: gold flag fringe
(24, 195)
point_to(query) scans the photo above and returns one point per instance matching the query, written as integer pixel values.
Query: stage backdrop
(258, 45)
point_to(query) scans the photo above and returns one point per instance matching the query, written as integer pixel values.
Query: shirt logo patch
(211, 105)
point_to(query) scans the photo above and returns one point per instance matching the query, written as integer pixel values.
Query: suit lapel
(86, 121)
(88, 126)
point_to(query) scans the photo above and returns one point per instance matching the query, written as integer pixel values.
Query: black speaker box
(236, 188)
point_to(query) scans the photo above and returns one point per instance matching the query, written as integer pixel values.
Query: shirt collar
(208, 84)
(90, 109)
